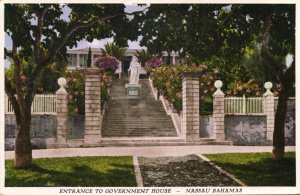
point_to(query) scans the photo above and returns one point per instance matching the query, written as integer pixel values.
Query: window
(72, 60)
(177, 60)
(164, 59)
(83, 60)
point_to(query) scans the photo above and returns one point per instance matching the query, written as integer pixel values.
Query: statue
(134, 71)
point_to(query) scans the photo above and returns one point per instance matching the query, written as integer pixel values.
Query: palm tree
(114, 50)
(143, 56)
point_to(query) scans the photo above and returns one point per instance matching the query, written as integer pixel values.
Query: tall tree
(89, 60)
(224, 32)
(43, 32)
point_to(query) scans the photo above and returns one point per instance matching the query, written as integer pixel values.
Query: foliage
(75, 88)
(143, 56)
(48, 83)
(108, 63)
(161, 27)
(43, 32)
(249, 89)
(105, 82)
(154, 62)
(168, 81)
(112, 49)
(258, 169)
(73, 172)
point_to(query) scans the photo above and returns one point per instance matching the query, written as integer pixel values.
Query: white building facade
(78, 58)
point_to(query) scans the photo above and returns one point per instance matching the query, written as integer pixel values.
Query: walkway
(153, 151)
(144, 117)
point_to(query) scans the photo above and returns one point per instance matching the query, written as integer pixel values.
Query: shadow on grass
(77, 175)
(262, 172)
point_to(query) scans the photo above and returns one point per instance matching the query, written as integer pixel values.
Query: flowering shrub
(107, 63)
(75, 89)
(154, 62)
(249, 89)
(168, 81)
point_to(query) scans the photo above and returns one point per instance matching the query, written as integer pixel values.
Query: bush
(249, 89)
(168, 81)
(154, 62)
(107, 63)
(75, 89)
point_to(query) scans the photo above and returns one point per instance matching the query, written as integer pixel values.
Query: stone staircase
(142, 122)
(144, 117)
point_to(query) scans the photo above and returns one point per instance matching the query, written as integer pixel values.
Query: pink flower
(70, 97)
(75, 110)
(76, 92)
(23, 77)
(74, 80)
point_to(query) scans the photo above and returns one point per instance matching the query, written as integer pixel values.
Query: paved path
(152, 151)
(183, 171)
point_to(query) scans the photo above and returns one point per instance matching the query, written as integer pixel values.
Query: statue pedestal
(133, 91)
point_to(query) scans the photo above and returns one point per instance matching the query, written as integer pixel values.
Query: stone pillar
(269, 110)
(62, 112)
(92, 132)
(218, 112)
(190, 107)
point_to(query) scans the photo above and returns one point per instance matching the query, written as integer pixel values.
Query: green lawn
(258, 169)
(75, 171)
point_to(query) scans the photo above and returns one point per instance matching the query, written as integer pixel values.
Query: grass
(75, 171)
(258, 169)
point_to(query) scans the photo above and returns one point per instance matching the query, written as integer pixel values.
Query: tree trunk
(23, 148)
(279, 135)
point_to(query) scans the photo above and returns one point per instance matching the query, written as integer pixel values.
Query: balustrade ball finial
(218, 84)
(62, 82)
(268, 85)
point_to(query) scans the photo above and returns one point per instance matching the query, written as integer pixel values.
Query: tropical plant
(112, 49)
(143, 56)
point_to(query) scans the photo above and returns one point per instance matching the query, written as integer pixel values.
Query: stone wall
(43, 130)
(290, 121)
(206, 124)
(252, 130)
(246, 130)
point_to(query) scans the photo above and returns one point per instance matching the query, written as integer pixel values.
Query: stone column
(218, 112)
(62, 112)
(92, 132)
(269, 110)
(190, 107)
